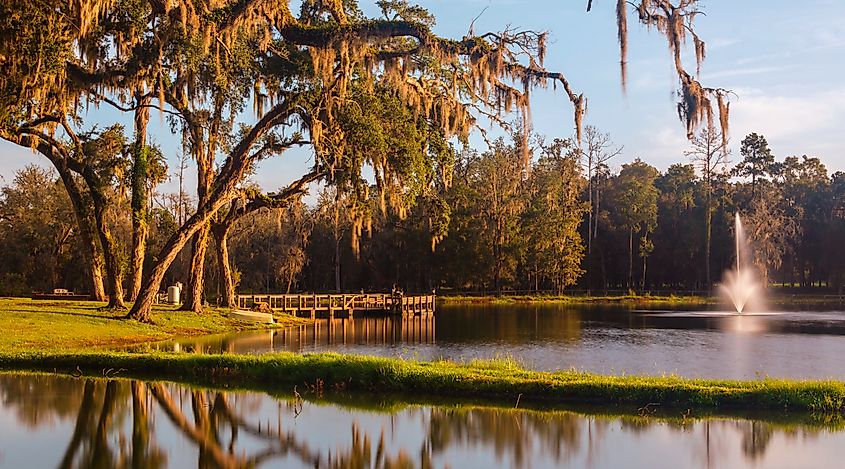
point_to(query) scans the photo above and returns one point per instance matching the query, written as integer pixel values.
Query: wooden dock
(343, 305)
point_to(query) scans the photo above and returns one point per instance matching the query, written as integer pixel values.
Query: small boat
(253, 316)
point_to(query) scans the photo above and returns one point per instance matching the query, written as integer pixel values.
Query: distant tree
(37, 233)
(496, 190)
(834, 233)
(709, 153)
(269, 248)
(634, 206)
(596, 151)
(758, 161)
(771, 229)
(679, 197)
(553, 215)
(806, 189)
(297, 223)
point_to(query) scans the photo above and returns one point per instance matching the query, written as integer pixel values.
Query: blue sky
(783, 61)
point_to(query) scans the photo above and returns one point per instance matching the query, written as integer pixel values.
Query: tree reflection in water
(133, 424)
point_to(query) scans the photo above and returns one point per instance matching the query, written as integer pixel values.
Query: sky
(782, 61)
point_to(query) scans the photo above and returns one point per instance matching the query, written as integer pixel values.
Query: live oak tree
(207, 62)
(250, 201)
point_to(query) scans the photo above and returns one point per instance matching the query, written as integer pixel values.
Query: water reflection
(321, 335)
(57, 421)
(710, 344)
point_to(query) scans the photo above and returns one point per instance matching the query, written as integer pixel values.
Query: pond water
(608, 340)
(50, 421)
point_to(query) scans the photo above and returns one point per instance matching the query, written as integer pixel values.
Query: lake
(607, 339)
(58, 421)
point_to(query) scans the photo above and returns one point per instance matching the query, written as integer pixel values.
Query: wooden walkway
(342, 305)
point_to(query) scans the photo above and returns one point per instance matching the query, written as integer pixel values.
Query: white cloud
(736, 71)
(721, 42)
(788, 116)
(793, 124)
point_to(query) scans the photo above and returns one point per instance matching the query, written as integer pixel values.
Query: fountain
(741, 287)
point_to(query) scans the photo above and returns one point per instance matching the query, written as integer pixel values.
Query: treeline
(496, 222)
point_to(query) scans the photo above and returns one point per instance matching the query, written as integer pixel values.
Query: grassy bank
(500, 381)
(773, 299)
(27, 324)
(577, 299)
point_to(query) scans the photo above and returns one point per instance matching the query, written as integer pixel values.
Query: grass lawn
(43, 325)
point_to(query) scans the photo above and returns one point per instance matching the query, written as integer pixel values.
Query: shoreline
(673, 300)
(575, 300)
(499, 381)
(395, 402)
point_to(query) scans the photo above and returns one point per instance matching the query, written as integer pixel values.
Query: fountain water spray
(741, 287)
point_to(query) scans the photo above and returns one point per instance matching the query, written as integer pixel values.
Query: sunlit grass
(502, 380)
(27, 324)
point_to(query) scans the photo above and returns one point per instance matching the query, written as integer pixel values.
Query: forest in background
(565, 222)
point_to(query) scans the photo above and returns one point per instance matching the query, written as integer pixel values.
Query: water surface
(55, 421)
(618, 340)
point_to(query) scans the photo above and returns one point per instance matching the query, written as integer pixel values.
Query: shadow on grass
(116, 314)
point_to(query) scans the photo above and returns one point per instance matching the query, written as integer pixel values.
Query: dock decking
(344, 305)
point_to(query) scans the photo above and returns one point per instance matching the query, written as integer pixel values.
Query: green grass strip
(498, 380)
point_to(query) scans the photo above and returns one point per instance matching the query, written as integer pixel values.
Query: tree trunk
(90, 249)
(645, 265)
(229, 176)
(140, 215)
(143, 304)
(630, 258)
(196, 282)
(205, 173)
(708, 222)
(81, 209)
(227, 282)
(113, 268)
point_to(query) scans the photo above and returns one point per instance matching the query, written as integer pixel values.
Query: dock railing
(345, 302)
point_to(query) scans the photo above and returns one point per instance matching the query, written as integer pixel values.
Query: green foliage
(635, 197)
(487, 199)
(37, 232)
(401, 9)
(269, 248)
(554, 213)
(758, 160)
